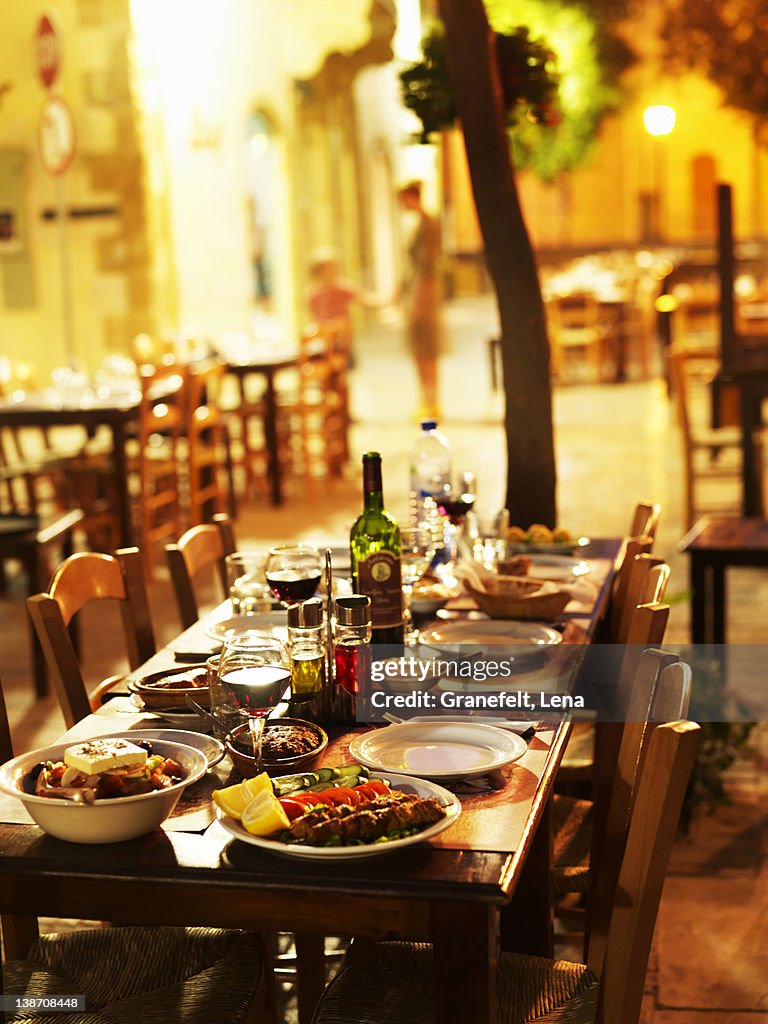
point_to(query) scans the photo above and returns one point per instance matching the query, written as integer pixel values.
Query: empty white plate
(437, 750)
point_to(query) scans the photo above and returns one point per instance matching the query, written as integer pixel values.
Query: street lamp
(659, 120)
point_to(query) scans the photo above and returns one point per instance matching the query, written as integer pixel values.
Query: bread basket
(542, 604)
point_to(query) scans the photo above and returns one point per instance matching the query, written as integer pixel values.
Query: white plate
(225, 626)
(563, 568)
(457, 633)
(184, 719)
(498, 723)
(420, 787)
(563, 548)
(437, 751)
(213, 749)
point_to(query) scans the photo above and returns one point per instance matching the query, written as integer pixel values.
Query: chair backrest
(80, 579)
(621, 961)
(631, 587)
(645, 520)
(661, 693)
(208, 461)
(198, 547)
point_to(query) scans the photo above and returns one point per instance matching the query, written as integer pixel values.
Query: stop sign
(47, 51)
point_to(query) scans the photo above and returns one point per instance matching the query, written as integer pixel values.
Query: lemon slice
(234, 799)
(264, 815)
(258, 784)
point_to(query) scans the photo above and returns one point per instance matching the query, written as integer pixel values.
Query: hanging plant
(526, 72)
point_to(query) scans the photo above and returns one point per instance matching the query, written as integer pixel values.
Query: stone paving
(616, 444)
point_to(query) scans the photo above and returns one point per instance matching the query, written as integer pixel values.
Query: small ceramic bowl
(238, 745)
(155, 696)
(105, 821)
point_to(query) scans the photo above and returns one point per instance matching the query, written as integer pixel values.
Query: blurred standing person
(423, 298)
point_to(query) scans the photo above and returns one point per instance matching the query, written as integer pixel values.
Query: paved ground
(616, 445)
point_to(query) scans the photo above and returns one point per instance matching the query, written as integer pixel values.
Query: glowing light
(659, 120)
(666, 304)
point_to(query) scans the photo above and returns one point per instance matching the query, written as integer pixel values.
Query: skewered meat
(367, 823)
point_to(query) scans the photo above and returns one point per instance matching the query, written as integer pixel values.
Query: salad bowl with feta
(103, 790)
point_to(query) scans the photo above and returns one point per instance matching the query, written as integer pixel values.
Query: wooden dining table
(115, 411)
(481, 884)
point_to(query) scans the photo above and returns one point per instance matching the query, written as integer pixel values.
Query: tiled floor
(616, 445)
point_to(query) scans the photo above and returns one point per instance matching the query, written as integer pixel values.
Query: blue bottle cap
(428, 424)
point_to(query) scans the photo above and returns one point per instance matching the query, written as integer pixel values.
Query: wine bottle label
(378, 576)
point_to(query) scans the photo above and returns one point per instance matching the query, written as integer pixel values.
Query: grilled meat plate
(367, 823)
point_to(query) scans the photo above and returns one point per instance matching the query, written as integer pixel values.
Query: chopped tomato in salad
(299, 803)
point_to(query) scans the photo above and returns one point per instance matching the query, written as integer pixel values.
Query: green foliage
(525, 71)
(726, 40)
(556, 92)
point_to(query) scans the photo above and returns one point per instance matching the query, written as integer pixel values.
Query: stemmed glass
(417, 549)
(253, 674)
(293, 572)
(456, 503)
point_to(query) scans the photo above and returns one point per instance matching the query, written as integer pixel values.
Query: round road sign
(56, 135)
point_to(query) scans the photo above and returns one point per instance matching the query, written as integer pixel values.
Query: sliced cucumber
(323, 778)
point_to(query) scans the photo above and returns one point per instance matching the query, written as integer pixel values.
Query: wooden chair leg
(31, 559)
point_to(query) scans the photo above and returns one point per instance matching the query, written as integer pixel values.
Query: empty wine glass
(293, 572)
(253, 674)
(417, 549)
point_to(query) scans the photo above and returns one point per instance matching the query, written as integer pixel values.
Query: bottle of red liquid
(352, 647)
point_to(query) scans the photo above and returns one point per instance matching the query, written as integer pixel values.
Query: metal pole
(67, 310)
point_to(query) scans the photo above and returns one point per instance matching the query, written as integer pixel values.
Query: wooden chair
(200, 546)
(82, 578)
(645, 520)
(210, 483)
(576, 323)
(158, 456)
(315, 416)
(391, 982)
(215, 975)
(32, 540)
(708, 454)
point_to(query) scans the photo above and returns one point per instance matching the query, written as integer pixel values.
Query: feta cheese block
(96, 756)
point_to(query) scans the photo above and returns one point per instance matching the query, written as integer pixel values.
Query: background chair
(138, 973)
(708, 454)
(82, 578)
(391, 982)
(210, 483)
(158, 456)
(575, 323)
(201, 546)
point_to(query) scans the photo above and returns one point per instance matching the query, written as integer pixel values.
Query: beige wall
(109, 291)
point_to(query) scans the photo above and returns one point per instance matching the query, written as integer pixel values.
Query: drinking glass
(417, 549)
(293, 572)
(456, 503)
(248, 590)
(253, 674)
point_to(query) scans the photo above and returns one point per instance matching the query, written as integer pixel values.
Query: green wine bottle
(374, 544)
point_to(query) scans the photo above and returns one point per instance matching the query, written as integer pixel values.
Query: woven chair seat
(147, 975)
(398, 990)
(572, 844)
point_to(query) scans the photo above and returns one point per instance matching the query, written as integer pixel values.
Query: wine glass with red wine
(253, 675)
(456, 503)
(293, 572)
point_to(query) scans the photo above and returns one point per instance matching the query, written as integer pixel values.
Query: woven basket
(542, 607)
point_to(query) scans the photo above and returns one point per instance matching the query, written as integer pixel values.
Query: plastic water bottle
(430, 463)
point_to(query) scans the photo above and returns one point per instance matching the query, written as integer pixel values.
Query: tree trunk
(511, 263)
